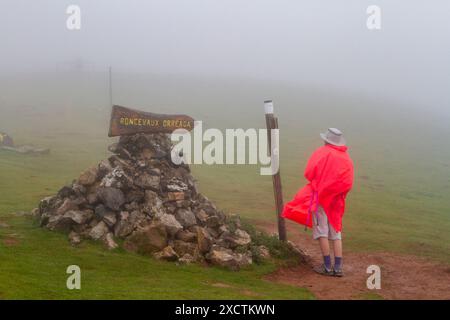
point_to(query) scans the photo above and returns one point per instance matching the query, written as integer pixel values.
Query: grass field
(400, 200)
(34, 262)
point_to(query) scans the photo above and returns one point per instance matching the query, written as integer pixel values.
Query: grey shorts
(322, 228)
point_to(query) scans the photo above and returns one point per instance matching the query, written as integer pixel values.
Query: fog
(217, 61)
(318, 44)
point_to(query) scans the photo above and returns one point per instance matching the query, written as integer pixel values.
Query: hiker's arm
(310, 170)
(314, 162)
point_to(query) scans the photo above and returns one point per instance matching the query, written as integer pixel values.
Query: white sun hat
(333, 136)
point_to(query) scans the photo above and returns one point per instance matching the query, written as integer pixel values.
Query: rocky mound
(140, 196)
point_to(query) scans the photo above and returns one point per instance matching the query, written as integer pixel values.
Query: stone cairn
(140, 196)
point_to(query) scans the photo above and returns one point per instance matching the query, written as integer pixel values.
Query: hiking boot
(338, 272)
(323, 270)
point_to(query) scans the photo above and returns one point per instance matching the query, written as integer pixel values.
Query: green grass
(33, 261)
(34, 267)
(399, 203)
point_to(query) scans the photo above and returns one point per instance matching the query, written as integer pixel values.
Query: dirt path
(402, 276)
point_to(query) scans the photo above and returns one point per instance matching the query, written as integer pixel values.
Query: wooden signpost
(125, 121)
(272, 123)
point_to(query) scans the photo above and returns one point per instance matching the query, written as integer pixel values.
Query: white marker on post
(268, 107)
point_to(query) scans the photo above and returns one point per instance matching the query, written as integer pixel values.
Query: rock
(171, 224)
(133, 206)
(47, 203)
(223, 228)
(147, 240)
(80, 202)
(6, 140)
(244, 259)
(119, 165)
(263, 252)
(65, 192)
(93, 223)
(147, 153)
(79, 217)
(99, 231)
(92, 198)
(239, 238)
(181, 247)
(159, 154)
(26, 149)
(110, 219)
(176, 185)
(152, 197)
(67, 205)
(154, 171)
(113, 148)
(204, 240)
(302, 254)
(74, 238)
(148, 181)
(127, 223)
(209, 208)
(182, 204)
(79, 189)
(186, 236)
(154, 204)
(212, 222)
(101, 211)
(174, 196)
(224, 258)
(135, 196)
(227, 258)
(142, 164)
(111, 197)
(109, 241)
(60, 223)
(201, 215)
(118, 148)
(117, 178)
(80, 229)
(104, 167)
(186, 217)
(123, 226)
(88, 177)
(186, 259)
(213, 232)
(221, 216)
(167, 254)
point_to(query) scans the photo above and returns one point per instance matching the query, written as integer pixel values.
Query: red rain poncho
(330, 175)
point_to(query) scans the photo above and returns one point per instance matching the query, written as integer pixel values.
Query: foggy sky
(317, 43)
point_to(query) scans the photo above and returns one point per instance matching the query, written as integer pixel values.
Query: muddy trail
(402, 276)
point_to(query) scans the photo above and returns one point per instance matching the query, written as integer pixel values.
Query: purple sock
(337, 263)
(327, 262)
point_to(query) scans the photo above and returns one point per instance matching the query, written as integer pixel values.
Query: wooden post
(272, 123)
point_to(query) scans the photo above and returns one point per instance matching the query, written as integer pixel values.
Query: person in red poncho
(320, 205)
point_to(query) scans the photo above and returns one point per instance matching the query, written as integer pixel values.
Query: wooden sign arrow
(125, 121)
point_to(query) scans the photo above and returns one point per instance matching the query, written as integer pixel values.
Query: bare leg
(337, 248)
(324, 246)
